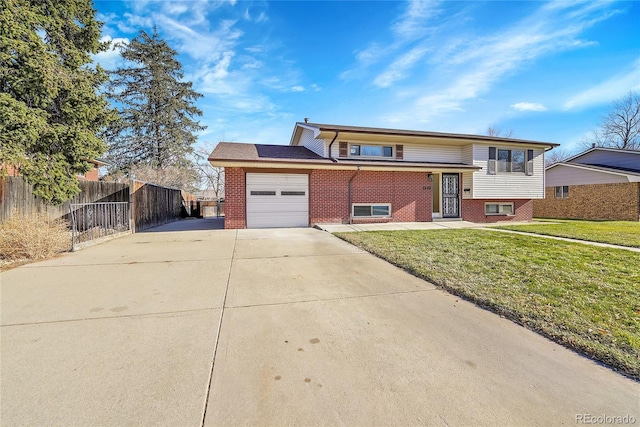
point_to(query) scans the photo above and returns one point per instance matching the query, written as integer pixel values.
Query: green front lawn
(623, 233)
(585, 297)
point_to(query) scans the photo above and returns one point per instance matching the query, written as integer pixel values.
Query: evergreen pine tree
(51, 112)
(157, 109)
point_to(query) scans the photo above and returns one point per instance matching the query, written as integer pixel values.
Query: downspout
(350, 193)
(330, 144)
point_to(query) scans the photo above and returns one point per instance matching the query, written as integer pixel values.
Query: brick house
(599, 183)
(93, 174)
(348, 174)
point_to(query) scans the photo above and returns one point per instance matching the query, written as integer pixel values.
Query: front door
(450, 195)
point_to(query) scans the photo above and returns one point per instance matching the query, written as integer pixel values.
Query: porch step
(446, 219)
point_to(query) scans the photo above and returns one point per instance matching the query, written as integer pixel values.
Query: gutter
(351, 195)
(330, 144)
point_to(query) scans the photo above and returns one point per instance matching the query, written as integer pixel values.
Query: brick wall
(473, 210)
(235, 198)
(91, 175)
(328, 196)
(620, 201)
(408, 192)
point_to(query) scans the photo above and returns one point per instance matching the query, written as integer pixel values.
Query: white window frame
(509, 162)
(499, 204)
(387, 205)
(564, 194)
(372, 145)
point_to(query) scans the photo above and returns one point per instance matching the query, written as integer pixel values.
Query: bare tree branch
(211, 177)
(554, 156)
(620, 127)
(494, 131)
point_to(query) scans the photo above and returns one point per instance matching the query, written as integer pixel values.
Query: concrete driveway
(272, 327)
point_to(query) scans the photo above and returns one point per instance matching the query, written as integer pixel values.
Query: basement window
(362, 210)
(562, 192)
(498, 209)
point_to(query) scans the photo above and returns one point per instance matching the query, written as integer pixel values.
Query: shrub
(33, 237)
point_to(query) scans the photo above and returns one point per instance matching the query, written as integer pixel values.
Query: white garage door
(277, 200)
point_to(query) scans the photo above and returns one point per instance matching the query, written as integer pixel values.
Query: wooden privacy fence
(149, 205)
(17, 198)
(154, 205)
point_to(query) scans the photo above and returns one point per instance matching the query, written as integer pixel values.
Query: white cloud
(607, 91)
(473, 65)
(261, 17)
(221, 69)
(413, 26)
(255, 49)
(297, 88)
(176, 8)
(398, 69)
(528, 106)
(252, 63)
(134, 23)
(201, 45)
(110, 59)
(413, 23)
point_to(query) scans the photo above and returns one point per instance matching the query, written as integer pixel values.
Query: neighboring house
(600, 183)
(348, 174)
(92, 174)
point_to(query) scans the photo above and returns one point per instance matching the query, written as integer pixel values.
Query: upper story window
(503, 160)
(371, 150)
(511, 161)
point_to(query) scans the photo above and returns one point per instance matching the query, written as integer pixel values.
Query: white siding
(467, 154)
(567, 175)
(313, 144)
(414, 152)
(467, 177)
(517, 186)
(335, 148)
(467, 183)
(432, 153)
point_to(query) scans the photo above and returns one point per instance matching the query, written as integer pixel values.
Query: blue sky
(545, 70)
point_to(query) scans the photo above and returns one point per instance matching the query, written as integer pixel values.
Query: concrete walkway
(272, 327)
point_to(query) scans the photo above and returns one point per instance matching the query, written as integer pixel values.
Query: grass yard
(623, 233)
(585, 297)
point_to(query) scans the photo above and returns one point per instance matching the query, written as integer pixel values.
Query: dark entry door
(450, 195)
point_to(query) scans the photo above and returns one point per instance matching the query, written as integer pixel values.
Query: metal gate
(92, 221)
(450, 195)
